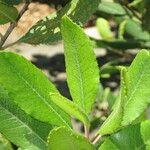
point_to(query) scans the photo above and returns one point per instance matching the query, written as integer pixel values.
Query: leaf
(48, 29)
(81, 66)
(117, 44)
(19, 127)
(4, 144)
(11, 2)
(7, 13)
(104, 28)
(134, 30)
(145, 130)
(69, 107)
(64, 139)
(127, 139)
(30, 88)
(111, 8)
(113, 122)
(138, 96)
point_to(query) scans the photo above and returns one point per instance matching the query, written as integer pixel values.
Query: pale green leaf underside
(7, 13)
(64, 139)
(30, 89)
(19, 127)
(69, 107)
(104, 28)
(48, 29)
(113, 122)
(81, 66)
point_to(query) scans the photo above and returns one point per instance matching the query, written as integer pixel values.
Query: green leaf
(127, 139)
(4, 144)
(111, 8)
(117, 44)
(145, 130)
(104, 28)
(30, 89)
(134, 30)
(138, 96)
(113, 122)
(64, 139)
(11, 2)
(20, 128)
(134, 97)
(81, 66)
(48, 29)
(7, 13)
(69, 107)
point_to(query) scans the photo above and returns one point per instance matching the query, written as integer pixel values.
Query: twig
(86, 131)
(13, 25)
(96, 139)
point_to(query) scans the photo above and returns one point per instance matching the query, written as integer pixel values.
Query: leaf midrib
(25, 125)
(137, 85)
(35, 91)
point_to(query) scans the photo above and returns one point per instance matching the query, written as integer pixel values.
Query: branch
(96, 139)
(86, 131)
(13, 25)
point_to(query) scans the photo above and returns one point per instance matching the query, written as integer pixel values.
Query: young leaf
(81, 66)
(7, 13)
(48, 29)
(113, 122)
(127, 139)
(65, 139)
(104, 28)
(111, 8)
(30, 89)
(145, 130)
(69, 107)
(20, 128)
(138, 96)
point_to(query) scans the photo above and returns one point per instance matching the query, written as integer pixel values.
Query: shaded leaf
(81, 66)
(30, 89)
(7, 13)
(111, 8)
(64, 139)
(48, 29)
(11, 2)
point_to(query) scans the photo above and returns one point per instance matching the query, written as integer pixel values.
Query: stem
(96, 139)
(86, 131)
(13, 25)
